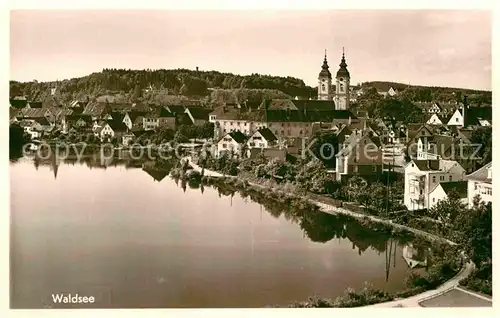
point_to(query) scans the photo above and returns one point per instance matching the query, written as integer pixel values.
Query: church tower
(342, 85)
(325, 91)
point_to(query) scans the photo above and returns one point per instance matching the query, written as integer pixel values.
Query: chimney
(197, 69)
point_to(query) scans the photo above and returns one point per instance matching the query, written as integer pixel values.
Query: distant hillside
(148, 85)
(167, 86)
(431, 93)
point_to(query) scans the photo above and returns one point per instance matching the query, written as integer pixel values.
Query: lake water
(136, 239)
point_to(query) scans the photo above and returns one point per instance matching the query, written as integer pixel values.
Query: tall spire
(325, 72)
(342, 61)
(343, 66)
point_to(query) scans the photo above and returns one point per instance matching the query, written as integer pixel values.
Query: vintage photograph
(250, 159)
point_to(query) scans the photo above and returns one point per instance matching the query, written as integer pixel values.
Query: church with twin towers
(339, 92)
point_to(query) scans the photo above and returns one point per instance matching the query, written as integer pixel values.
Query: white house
(480, 183)
(434, 120)
(111, 129)
(392, 92)
(457, 119)
(443, 190)
(434, 108)
(423, 176)
(262, 139)
(231, 143)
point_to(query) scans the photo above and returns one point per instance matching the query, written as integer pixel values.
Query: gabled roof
(78, 104)
(117, 115)
(117, 126)
(474, 114)
(32, 112)
(59, 112)
(354, 140)
(176, 109)
(94, 109)
(199, 113)
(434, 165)
(481, 174)
(77, 117)
(165, 113)
(237, 136)
(427, 165)
(315, 105)
(267, 134)
(35, 104)
(18, 103)
(459, 187)
(42, 121)
(279, 104)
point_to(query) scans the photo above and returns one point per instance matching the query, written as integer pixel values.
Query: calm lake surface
(133, 238)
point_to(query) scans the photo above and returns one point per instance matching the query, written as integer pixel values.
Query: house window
(450, 178)
(475, 186)
(224, 130)
(231, 123)
(245, 124)
(441, 178)
(224, 146)
(433, 200)
(238, 123)
(282, 124)
(374, 168)
(489, 191)
(433, 179)
(456, 119)
(300, 132)
(421, 191)
(412, 165)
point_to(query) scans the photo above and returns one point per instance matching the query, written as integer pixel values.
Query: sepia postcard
(250, 159)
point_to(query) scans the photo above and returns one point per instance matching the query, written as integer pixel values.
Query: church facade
(340, 93)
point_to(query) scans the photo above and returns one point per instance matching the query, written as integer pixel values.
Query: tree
(447, 211)
(483, 137)
(355, 187)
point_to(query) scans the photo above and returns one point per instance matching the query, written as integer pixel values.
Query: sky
(419, 47)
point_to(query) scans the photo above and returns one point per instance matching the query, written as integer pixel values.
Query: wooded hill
(160, 86)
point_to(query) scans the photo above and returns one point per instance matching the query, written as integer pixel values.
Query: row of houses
(105, 120)
(358, 152)
(429, 181)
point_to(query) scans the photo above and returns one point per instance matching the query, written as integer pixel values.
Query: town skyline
(441, 60)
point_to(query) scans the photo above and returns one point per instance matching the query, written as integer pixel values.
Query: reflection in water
(322, 227)
(415, 256)
(147, 243)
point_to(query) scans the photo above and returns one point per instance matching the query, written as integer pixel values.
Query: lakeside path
(448, 294)
(330, 209)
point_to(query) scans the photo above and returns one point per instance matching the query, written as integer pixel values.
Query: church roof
(325, 72)
(343, 67)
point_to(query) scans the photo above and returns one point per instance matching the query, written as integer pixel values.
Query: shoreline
(407, 298)
(330, 209)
